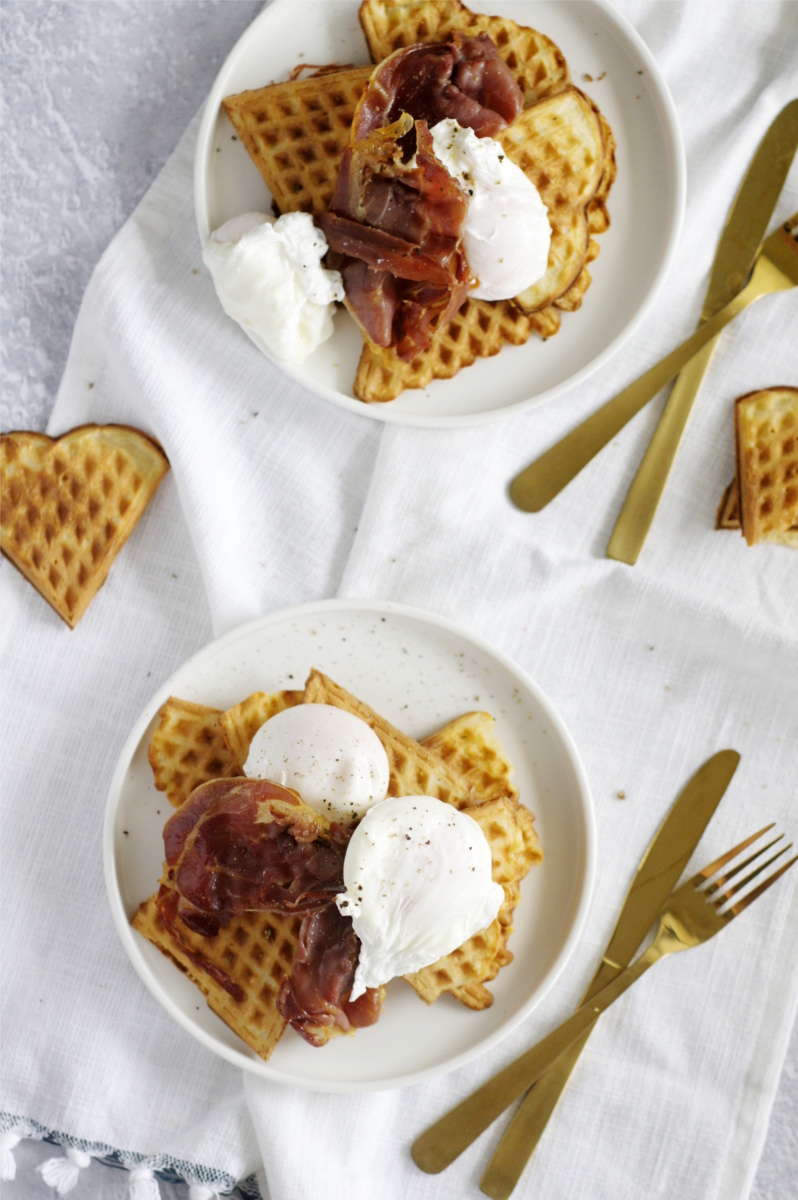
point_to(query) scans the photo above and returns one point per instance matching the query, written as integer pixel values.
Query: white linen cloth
(276, 497)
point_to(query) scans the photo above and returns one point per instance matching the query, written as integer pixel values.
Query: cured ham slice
(314, 999)
(395, 222)
(244, 845)
(463, 78)
(240, 845)
(395, 230)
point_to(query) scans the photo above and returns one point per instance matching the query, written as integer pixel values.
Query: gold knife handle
(526, 1128)
(643, 497)
(540, 482)
(446, 1140)
(522, 1135)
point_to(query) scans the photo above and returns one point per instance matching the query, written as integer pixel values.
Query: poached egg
(269, 278)
(507, 232)
(417, 874)
(333, 759)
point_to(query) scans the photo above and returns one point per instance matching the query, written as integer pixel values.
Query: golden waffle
(238, 725)
(296, 132)
(766, 439)
(187, 749)
(559, 145)
(536, 62)
(470, 747)
(463, 764)
(70, 504)
(193, 743)
(728, 515)
(414, 770)
(422, 769)
(479, 330)
(255, 951)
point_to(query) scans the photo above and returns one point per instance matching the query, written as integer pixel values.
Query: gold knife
(538, 484)
(655, 879)
(738, 246)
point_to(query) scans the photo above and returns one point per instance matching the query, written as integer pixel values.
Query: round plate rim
(675, 203)
(244, 1058)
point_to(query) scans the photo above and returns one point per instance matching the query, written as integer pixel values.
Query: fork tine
(713, 887)
(736, 888)
(742, 904)
(715, 866)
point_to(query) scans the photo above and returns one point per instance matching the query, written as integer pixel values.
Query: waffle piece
(479, 330)
(464, 972)
(598, 217)
(193, 743)
(239, 724)
(296, 132)
(509, 830)
(255, 952)
(536, 62)
(470, 747)
(728, 517)
(766, 440)
(728, 514)
(463, 764)
(508, 827)
(187, 749)
(559, 144)
(70, 504)
(414, 770)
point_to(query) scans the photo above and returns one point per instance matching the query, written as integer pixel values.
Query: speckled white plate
(419, 671)
(646, 204)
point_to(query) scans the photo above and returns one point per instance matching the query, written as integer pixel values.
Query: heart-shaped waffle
(70, 504)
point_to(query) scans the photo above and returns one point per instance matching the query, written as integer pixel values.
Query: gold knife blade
(739, 244)
(656, 876)
(537, 485)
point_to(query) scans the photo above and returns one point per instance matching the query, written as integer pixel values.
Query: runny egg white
(417, 874)
(269, 277)
(333, 759)
(506, 234)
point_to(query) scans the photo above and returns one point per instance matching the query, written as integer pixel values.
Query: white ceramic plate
(419, 671)
(646, 203)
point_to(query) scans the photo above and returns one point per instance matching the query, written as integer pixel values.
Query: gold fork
(776, 270)
(695, 912)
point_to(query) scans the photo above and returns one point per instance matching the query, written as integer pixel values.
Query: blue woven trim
(163, 1166)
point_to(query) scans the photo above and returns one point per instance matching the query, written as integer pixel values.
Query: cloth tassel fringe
(63, 1173)
(143, 1184)
(8, 1166)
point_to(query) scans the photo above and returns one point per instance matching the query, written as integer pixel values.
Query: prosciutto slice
(396, 217)
(314, 999)
(244, 845)
(240, 845)
(395, 230)
(463, 78)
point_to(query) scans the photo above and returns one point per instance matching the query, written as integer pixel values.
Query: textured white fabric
(276, 497)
